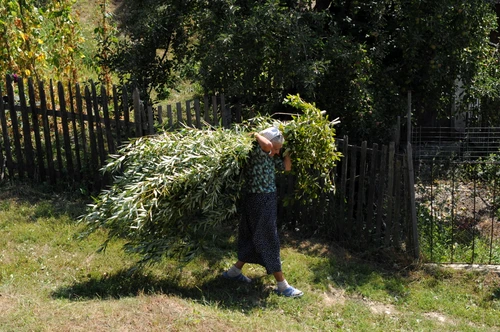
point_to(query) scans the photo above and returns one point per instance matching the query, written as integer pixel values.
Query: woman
(258, 240)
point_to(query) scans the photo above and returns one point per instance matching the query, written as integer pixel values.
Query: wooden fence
(374, 202)
(69, 141)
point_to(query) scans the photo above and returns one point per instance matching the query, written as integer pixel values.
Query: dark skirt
(258, 240)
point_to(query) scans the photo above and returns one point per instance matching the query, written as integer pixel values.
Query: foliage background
(356, 59)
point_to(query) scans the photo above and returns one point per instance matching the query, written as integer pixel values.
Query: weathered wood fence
(69, 141)
(373, 205)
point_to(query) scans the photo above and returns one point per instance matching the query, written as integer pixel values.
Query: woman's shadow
(209, 285)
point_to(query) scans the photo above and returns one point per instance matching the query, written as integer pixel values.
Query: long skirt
(258, 240)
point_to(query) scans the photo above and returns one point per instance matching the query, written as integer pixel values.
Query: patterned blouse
(260, 172)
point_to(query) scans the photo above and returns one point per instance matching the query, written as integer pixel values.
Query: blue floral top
(260, 172)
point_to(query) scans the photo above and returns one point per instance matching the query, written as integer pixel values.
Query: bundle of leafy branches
(172, 190)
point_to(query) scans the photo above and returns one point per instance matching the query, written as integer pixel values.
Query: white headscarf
(273, 135)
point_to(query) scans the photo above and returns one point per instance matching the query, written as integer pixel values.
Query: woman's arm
(287, 162)
(264, 143)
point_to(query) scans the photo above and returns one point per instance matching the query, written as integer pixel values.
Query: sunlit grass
(49, 280)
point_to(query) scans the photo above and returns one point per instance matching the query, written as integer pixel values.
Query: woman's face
(276, 149)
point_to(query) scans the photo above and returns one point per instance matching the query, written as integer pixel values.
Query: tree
(355, 59)
(39, 39)
(155, 35)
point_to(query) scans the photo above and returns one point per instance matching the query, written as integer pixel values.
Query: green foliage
(310, 140)
(155, 36)
(41, 40)
(169, 189)
(358, 59)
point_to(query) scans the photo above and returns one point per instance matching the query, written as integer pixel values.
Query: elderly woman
(258, 240)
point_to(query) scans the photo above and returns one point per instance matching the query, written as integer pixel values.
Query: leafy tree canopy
(355, 59)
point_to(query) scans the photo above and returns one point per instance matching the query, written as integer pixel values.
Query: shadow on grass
(227, 294)
(47, 201)
(200, 283)
(354, 272)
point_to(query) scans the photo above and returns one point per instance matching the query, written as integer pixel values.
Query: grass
(51, 281)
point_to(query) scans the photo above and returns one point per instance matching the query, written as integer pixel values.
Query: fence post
(75, 134)
(56, 126)
(65, 127)
(28, 146)
(408, 119)
(6, 138)
(343, 184)
(15, 127)
(413, 208)
(137, 112)
(361, 189)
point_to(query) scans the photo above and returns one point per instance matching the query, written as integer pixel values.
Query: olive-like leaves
(169, 189)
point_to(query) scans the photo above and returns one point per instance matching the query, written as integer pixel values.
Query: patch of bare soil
(439, 318)
(334, 296)
(381, 308)
(472, 207)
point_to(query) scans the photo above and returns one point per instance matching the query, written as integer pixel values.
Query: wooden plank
(15, 128)
(40, 162)
(28, 145)
(118, 126)
(170, 116)
(6, 138)
(74, 128)
(81, 122)
(215, 120)
(151, 125)
(411, 183)
(107, 123)
(160, 115)
(372, 189)
(126, 113)
(144, 117)
(137, 113)
(56, 129)
(397, 216)
(99, 133)
(179, 115)
(381, 194)
(225, 114)
(206, 107)
(361, 190)
(390, 194)
(64, 122)
(46, 134)
(352, 187)
(188, 114)
(94, 155)
(343, 185)
(197, 112)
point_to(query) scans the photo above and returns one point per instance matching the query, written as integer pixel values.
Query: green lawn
(51, 281)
